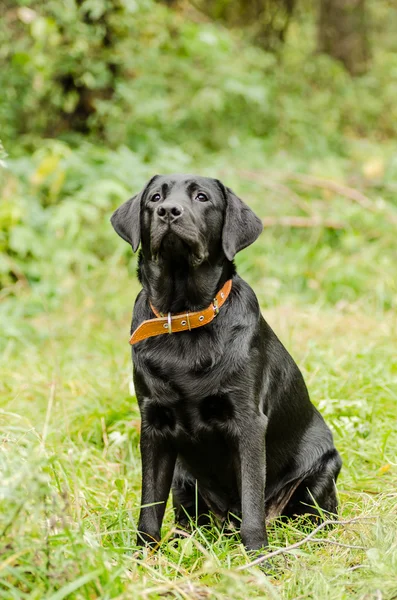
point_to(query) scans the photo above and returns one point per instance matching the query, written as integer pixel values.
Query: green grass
(70, 459)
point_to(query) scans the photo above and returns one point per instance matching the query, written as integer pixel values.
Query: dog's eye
(155, 198)
(202, 197)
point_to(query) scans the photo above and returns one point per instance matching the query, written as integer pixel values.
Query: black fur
(226, 417)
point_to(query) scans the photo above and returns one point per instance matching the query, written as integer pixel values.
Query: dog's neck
(178, 287)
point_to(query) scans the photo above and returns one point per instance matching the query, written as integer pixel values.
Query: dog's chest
(187, 382)
(183, 365)
(188, 420)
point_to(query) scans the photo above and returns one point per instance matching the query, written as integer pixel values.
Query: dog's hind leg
(189, 505)
(316, 495)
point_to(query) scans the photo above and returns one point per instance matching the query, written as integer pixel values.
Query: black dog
(226, 416)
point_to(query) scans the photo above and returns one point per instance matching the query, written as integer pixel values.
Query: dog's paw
(149, 540)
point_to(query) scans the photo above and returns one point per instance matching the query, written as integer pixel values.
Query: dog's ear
(126, 220)
(241, 225)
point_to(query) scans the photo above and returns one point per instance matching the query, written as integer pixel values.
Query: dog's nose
(170, 212)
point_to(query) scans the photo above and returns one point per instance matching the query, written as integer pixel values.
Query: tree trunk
(343, 34)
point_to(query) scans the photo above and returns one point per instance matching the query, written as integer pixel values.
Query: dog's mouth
(177, 244)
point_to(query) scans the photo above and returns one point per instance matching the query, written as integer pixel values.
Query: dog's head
(186, 217)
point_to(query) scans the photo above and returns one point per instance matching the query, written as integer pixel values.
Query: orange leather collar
(180, 321)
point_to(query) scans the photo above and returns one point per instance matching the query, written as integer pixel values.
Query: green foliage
(265, 21)
(155, 91)
(56, 206)
(137, 73)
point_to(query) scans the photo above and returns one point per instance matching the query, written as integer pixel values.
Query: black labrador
(226, 417)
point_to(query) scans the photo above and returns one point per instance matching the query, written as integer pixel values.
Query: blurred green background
(98, 95)
(292, 103)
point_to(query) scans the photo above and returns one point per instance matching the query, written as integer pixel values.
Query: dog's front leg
(252, 453)
(158, 462)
